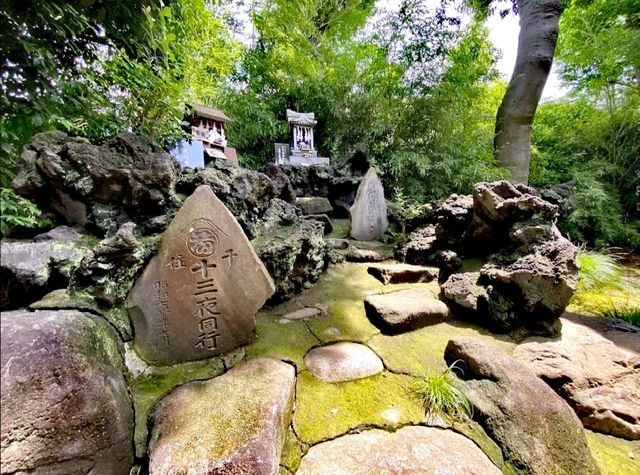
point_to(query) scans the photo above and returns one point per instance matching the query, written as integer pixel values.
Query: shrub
(441, 397)
(17, 212)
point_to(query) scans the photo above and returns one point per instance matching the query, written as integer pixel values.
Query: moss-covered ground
(324, 411)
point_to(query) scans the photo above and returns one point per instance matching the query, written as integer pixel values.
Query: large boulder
(32, 268)
(595, 367)
(235, 423)
(537, 430)
(412, 449)
(65, 404)
(97, 186)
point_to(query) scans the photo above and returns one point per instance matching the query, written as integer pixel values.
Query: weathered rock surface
(343, 361)
(410, 450)
(108, 270)
(403, 273)
(355, 254)
(246, 193)
(65, 405)
(324, 219)
(405, 310)
(97, 186)
(198, 296)
(538, 432)
(30, 269)
(295, 255)
(595, 368)
(369, 211)
(235, 423)
(531, 273)
(314, 205)
(281, 182)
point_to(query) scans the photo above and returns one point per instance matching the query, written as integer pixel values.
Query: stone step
(405, 310)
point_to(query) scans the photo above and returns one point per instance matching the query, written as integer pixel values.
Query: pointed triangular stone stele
(369, 211)
(199, 295)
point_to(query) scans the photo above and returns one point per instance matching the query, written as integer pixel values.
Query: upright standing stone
(199, 295)
(369, 211)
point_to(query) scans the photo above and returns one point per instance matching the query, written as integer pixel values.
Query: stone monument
(369, 211)
(199, 295)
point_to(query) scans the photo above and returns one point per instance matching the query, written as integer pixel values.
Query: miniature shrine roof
(301, 118)
(210, 113)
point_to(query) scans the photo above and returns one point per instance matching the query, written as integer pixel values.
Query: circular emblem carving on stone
(202, 242)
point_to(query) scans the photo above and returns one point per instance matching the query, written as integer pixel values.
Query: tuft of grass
(627, 314)
(441, 397)
(598, 271)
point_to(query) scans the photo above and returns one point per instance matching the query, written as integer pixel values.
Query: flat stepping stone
(355, 254)
(405, 310)
(410, 450)
(303, 313)
(343, 361)
(403, 273)
(337, 243)
(235, 423)
(314, 205)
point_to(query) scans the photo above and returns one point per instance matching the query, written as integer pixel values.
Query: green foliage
(598, 271)
(441, 397)
(627, 314)
(16, 211)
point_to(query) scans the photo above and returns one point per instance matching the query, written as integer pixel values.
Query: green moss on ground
(343, 289)
(422, 350)
(614, 456)
(147, 391)
(291, 452)
(326, 410)
(285, 341)
(474, 431)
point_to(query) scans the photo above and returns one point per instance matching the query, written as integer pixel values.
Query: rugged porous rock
(338, 185)
(344, 361)
(32, 268)
(595, 367)
(108, 271)
(402, 273)
(65, 405)
(235, 423)
(281, 182)
(404, 310)
(324, 219)
(246, 193)
(537, 430)
(97, 186)
(295, 254)
(530, 274)
(412, 449)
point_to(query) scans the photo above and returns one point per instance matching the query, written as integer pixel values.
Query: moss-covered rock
(236, 423)
(65, 405)
(149, 384)
(614, 456)
(327, 410)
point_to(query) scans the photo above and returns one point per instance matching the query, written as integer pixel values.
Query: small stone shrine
(301, 150)
(369, 211)
(199, 295)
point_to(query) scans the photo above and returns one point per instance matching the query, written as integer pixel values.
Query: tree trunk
(536, 44)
